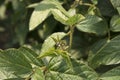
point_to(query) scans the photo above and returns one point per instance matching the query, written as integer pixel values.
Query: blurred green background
(14, 20)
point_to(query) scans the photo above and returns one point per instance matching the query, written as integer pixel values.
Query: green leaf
(31, 56)
(75, 19)
(59, 7)
(80, 71)
(49, 43)
(44, 9)
(93, 24)
(108, 54)
(96, 47)
(113, 74)
(14, 62)
(37, 18)
(115, 24)
(115, 3)
(59, 16)
(38, 75)
(41, 12)
(105, 7)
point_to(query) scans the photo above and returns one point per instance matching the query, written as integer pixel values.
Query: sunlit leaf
(93, 24)
(38, 17)
(59, 16)
(41, 12)
(44, 9)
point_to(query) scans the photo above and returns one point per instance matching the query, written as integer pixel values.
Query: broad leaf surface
(41, 12)
(59, 70)
(14, 62)
(115, 23)
(107, 55)
(31, 56)
(113, 74)
(93, 24)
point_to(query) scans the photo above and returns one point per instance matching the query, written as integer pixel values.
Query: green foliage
(112, 74)
(13, 61)
(68, 40)
(43, 10)
(108, 54)
(92, 24)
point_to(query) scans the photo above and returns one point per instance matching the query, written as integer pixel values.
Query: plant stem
(71, 36)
